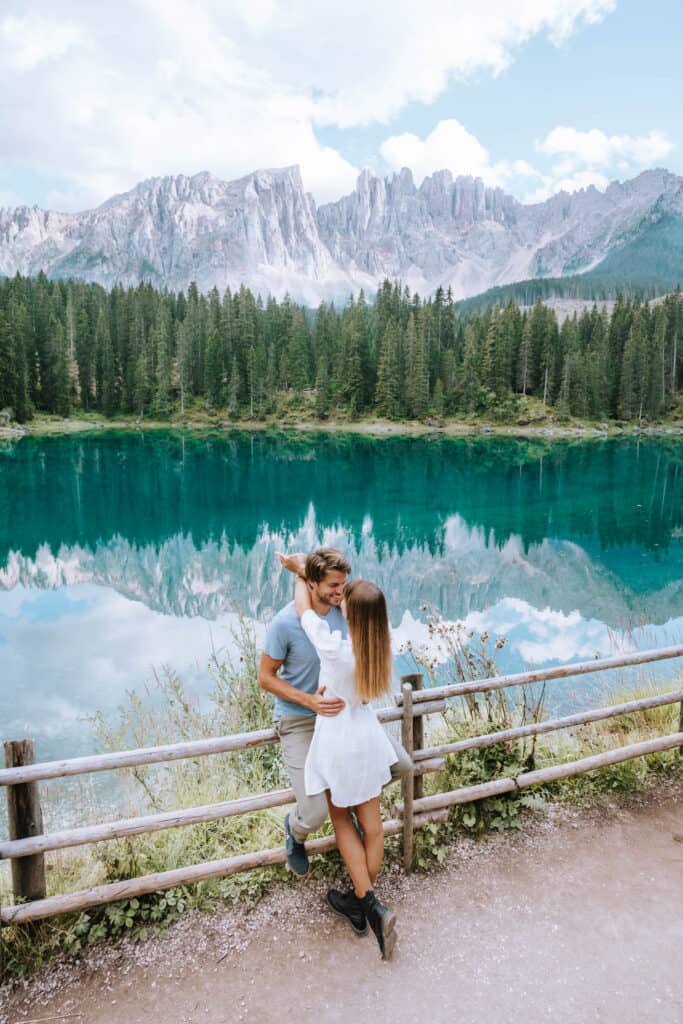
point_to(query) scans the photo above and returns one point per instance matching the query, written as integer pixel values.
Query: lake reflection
(120, 552)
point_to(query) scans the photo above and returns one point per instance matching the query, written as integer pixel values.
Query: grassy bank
(532, 419)
(167, 713)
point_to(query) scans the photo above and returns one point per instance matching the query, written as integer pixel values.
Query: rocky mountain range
(264, 230)
(473, 572)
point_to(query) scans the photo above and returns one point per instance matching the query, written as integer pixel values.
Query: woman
(350, 756)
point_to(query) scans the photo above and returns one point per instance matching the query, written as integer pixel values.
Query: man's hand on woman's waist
(326, 706)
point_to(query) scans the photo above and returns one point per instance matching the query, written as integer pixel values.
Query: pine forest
(66, 346)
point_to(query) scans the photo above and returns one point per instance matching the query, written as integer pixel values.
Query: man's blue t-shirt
(287, 642)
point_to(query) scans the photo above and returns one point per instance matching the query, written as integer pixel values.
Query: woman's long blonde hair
(366, 613)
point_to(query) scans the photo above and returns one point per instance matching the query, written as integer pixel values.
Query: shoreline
(50, 426)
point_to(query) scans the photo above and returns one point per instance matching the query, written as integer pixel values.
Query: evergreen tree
(60, 397)
(438, 399)
(469, 388)
(493, 368)
(74, 386)
(8, 368)
(524, 356)
(234, 388)
(163, 342)
(633, 380)
(20, 330)
(352, 388)
(417, 373)
(195, 329)
(659, 399)
(366, 351)
(105, 367)
(597, 367)
(563, 400)
(386, 394)
(270, 385)
(322, 389)
(298, 355)
(214, 369)
(619, 330)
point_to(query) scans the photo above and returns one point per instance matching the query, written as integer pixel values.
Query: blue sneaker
(297, 858)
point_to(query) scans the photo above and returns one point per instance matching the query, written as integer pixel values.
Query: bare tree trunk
(674, 367)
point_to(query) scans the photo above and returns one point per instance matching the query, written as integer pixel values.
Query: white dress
(350, 753)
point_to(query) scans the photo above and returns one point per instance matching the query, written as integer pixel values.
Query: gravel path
(579, 921)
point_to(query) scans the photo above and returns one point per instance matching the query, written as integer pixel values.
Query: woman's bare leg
(351, 848)
(370, 821)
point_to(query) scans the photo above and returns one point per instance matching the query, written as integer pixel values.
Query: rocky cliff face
(263, 230)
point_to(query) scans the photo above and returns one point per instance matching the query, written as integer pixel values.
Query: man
(289, 670)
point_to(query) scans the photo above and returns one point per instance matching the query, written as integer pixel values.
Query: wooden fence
(28, 843)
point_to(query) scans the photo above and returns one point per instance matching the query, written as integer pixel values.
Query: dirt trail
(577, 923)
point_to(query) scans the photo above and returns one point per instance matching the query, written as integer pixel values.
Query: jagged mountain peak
(264, 230)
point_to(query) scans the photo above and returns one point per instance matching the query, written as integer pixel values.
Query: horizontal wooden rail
(540, 675)
(434, 764)
(140, 826)
(137, 756)
(396, 714)
(168, 752)
(70, 838)
(552, 725)
(559, 771)
(134, 887)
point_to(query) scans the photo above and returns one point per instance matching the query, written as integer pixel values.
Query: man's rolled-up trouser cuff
(309, 817)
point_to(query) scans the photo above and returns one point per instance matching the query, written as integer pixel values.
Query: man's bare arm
(270, 681)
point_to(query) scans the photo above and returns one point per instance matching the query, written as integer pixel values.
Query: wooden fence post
(409, 779)
(416, 681)
(25, 818)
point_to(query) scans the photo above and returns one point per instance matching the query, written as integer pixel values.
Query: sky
(532, 96)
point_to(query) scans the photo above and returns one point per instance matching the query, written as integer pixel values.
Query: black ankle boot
(347, 905)
(382, 921)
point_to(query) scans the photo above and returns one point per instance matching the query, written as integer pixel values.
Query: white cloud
(577, 159)
(563, 181)
(584, 158)
(598, 149)
(450, 146)
(400, 56)
(542, 635)
(106, 95)
(27, 42)
(9, 198)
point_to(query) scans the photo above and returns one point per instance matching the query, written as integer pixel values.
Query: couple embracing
(327, 655)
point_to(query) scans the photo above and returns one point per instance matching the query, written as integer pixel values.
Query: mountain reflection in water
(554, 545)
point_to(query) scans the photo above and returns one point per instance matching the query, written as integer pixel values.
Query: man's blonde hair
(366, 613)
(325, 560)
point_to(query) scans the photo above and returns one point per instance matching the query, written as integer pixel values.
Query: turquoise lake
(120, 553)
